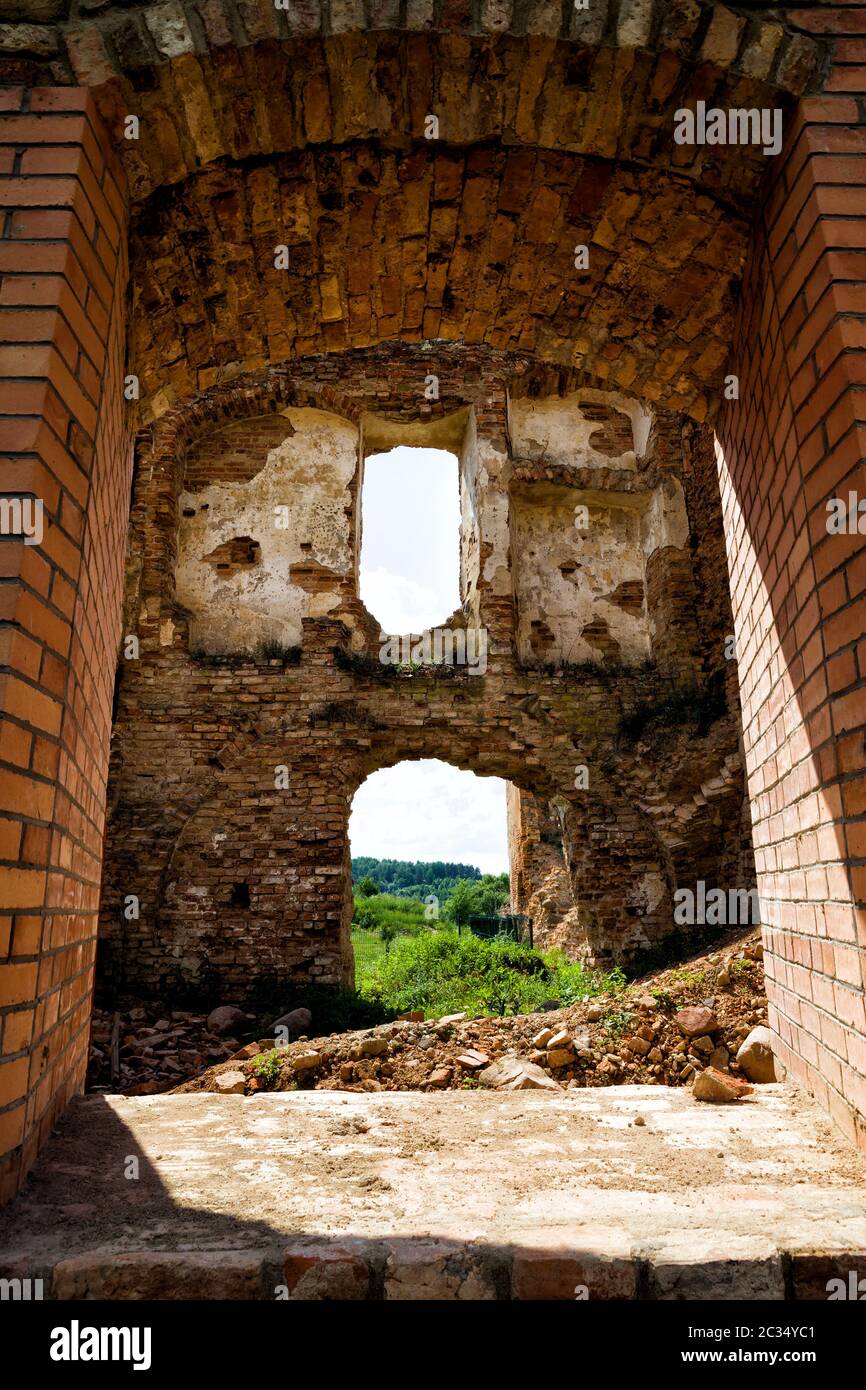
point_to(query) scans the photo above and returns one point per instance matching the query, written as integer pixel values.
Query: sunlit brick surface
(310, 123)
(794, 440)
(62, 433)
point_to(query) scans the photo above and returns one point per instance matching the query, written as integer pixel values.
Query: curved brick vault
(259, 129)
(544, 145)
(262, 127)
(474, 246)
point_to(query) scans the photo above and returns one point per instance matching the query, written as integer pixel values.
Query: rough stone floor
(468, 1195)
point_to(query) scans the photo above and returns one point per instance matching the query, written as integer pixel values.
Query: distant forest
(406, 879)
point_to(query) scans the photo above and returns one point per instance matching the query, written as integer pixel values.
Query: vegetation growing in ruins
(606, 668)
(272, 649)
(379, 918)
(267, 1067)
(617, 1022)
(690, 977)
(699, 706)
(445, 972)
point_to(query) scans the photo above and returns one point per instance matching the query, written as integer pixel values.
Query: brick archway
(337, 709)
(789, 444)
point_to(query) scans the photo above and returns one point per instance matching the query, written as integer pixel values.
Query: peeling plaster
(556, 430)
(564, 577)
(665, 520)
(310, 475)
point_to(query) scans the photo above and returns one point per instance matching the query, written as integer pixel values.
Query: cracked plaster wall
(302, 565)
(581, 554)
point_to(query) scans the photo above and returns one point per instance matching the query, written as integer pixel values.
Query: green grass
(389, 915)
(442, 972)
(740, 967)
(690, 977)
(369, 948)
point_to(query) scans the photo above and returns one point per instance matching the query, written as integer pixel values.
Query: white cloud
(410, 511)
(430, 810)
(401, 605)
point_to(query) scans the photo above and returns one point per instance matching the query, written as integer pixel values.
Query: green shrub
(442, 972)
(476, 898)
(389, 915)
(575, 982)
(267, 1066)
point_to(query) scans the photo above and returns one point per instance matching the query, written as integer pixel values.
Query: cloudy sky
(409, 580)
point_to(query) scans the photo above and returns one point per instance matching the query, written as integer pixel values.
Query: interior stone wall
(234, 765)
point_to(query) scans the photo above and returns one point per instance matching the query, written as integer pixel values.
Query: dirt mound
(661, 1030)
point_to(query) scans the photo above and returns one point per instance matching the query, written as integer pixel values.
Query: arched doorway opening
(429, 846)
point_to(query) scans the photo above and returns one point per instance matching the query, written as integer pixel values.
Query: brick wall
(239, 880)
(235, 453)
(794, 440)
(62, 440)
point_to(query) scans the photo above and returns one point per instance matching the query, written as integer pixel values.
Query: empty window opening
(410, 554)
(240, 895)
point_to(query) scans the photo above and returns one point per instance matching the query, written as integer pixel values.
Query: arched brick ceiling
(212, 79)
(305, 126)
(276, 96)
(464, 245)
(95, 42)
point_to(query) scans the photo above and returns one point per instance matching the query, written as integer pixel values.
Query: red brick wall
(796, 438)
(63, 439)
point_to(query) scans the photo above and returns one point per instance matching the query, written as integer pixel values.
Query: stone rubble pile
(704, 1023)
(706, 1019)
(148, 1048)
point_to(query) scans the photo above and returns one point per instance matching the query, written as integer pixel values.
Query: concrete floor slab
(473, 1195)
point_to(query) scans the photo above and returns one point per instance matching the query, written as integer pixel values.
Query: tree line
(406, 878)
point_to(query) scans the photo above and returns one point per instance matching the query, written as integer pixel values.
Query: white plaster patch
(554, 429)
(665, 521)
(564, 577)
(308, 475)
(493, 509)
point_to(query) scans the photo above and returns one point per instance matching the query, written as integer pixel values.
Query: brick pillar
(795, 439)
(64, 443)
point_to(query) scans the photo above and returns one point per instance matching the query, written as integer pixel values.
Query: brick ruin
(266, 658)
(584, 287)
